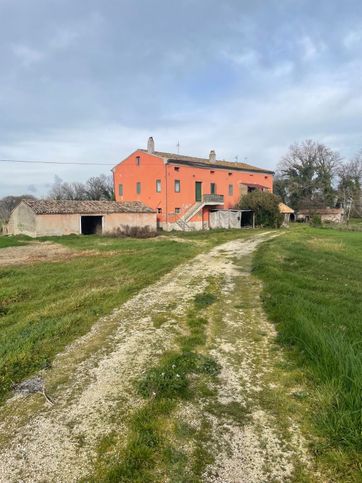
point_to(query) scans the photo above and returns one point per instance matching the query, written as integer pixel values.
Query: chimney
(151, 145)
(212, 156)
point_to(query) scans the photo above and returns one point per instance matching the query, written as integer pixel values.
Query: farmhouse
(53, 218)
(184, 190)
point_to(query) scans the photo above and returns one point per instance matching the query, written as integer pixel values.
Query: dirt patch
(36, 252)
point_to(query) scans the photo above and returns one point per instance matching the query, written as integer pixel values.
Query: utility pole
(178, 147)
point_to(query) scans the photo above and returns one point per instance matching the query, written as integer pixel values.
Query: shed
(231, 218)
(287, 212)
(327, 215)
(55, 218)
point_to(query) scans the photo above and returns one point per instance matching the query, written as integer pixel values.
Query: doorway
(91, 225)
(198, 191)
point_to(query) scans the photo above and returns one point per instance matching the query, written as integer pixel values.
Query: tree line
(95, 188)
(312, 175)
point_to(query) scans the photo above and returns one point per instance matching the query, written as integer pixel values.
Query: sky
(90, 81)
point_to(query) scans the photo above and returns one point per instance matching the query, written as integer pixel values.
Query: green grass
(13, 241)
(45, 306)
(313, 291)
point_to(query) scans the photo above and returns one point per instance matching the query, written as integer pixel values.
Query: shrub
(316, 220)
(265, 206)
(132, 232)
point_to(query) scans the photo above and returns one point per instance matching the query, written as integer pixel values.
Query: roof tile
(48, 207)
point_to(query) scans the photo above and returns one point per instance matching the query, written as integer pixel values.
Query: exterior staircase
(207, 200)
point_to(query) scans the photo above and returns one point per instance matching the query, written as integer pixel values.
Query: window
(158, 186)
(177, 210)
(212, 172)
(120, 189)
(177, 186)
(177, 168)
(138, 187)
(212, 188)
(159, 210)
(230, 174)
(138, 160)
(231, 189)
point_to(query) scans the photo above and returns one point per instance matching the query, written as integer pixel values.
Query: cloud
(27, 55)
(353, 38)
(32, 188)
(90, 81)
(311, 49)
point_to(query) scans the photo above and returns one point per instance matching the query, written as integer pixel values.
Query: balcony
(213, 199)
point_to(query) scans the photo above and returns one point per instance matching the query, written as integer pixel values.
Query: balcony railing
(215, 199)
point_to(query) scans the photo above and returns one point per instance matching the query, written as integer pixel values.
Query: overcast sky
(89, 81)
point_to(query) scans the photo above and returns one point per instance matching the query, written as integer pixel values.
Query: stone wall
(22, 221)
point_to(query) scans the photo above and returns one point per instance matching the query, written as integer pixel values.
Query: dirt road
(92, 382)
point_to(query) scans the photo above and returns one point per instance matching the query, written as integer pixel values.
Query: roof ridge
(217, 163)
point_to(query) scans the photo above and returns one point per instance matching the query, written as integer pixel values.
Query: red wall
(152, 168)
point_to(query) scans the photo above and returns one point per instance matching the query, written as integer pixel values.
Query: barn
(54, 217)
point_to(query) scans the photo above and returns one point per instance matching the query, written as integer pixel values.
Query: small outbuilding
(232, 219)
(55, 218)
(327, 215)
(288, 213)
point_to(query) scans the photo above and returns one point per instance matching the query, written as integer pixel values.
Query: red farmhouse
(184, 189)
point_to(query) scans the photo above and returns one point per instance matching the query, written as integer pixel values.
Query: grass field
(14, 241)
(45, 306)
(313, 291)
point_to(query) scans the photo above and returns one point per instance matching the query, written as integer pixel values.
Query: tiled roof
(321, 211)
(255, 185)
(179, 158)
(48, 207)
(283, 208)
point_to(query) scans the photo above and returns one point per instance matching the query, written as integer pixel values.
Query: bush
(132, 232)
(265, 206)
(316, 220)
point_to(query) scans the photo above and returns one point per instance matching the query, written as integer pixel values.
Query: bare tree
(350, 186)
(96, 188)
(67, 191)
(309, 170)
(100, 188)
(8, 203)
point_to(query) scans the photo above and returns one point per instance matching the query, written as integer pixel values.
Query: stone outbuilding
(327, 215)
(55, 218)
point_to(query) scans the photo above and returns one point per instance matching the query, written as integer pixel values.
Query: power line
(54, 162)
